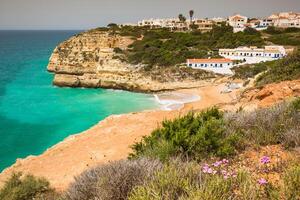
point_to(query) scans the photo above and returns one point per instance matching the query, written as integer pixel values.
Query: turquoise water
(35, 115)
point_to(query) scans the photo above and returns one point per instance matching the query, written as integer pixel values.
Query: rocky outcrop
(88, 60)
(272, 93)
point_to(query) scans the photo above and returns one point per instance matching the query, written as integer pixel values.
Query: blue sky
(85, 14)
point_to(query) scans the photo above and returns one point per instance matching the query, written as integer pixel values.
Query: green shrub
(281, 70)
(194, 136)
(27, 188)
(249, 71)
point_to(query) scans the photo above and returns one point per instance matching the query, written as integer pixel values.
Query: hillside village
(237, 21)
(236, 56)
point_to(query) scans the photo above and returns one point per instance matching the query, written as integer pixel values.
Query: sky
(85, 14)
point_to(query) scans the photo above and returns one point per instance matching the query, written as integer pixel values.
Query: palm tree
(181, 18)
(191, 15)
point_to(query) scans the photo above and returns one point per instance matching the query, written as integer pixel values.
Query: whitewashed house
(285, 19)
(238, 22)
(217, 65)
(253, 54)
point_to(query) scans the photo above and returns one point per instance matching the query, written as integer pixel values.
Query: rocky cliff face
(89, 60)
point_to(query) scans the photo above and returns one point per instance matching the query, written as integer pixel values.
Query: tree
(191, 15)
(181, 18)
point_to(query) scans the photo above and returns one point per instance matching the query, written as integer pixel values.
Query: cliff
(88, 60)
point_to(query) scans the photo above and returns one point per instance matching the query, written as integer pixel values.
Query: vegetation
(211, 133)
(27, 188)
(274, 71)
(249, 70)
(162, 47)
(288, 36)
(184, 162)
(113, 181)
(281, 70)
(192, 136)
(165, 48)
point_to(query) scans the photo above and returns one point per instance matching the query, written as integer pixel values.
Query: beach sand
(109, 140)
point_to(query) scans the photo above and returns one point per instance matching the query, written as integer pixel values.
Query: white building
(285, 19)
(217, 65)
(254, 54)
(238, 22)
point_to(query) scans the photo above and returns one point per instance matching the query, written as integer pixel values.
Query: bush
(194, 136)
(29, 187)
(111, 181)
(249, 71)
(285, 69)
(279, 124)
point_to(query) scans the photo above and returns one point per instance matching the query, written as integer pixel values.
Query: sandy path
(107, 141)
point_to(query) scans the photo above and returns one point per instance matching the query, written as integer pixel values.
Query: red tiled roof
(209, 60)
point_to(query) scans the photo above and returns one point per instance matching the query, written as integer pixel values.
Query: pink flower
(265, 160)
(207, 169)
(225, 161)
(262, 181)
(223, 172)
(218, 163)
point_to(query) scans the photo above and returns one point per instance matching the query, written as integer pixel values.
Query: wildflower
(225, 161)
(207, 169)
(218, 163)
(265, 160)
(223, 172)
(262, 181)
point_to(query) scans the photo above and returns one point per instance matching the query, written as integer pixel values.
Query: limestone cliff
(88, 60)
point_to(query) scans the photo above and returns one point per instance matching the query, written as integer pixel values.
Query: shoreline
(105, 142)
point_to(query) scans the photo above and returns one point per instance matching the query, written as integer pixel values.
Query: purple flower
(262, 181)
(265, 160)
(218, 163)
(225, 161)
(206, 169)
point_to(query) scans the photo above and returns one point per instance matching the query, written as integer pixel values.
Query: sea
(34, 114)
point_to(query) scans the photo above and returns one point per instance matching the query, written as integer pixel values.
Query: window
(190, 65)
(221, 65)
(216, 65)
(201, 65)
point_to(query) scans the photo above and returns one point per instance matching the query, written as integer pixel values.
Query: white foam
(175, 100)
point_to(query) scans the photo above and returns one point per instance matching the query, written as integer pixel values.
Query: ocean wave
(174, 100)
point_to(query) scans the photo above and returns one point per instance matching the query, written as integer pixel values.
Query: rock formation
(88, 60)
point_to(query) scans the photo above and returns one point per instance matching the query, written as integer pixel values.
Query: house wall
(220, 68)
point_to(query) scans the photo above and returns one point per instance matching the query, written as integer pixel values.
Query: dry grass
(112, 181)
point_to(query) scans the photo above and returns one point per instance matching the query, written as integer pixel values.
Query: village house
(204, 24)
(217, 65)
(172, 23)
(253, 54)
(285, 19)
(238, 22)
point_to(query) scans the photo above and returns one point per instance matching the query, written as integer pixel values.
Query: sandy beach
(109, 140)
